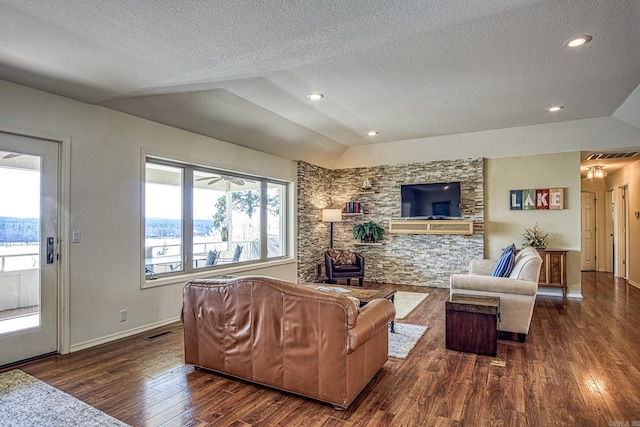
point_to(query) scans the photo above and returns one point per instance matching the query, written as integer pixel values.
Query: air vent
(160, 335)
(603, 156)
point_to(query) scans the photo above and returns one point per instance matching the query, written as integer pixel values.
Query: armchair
(337, 268)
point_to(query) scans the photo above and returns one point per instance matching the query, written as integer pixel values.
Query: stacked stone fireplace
(413, 259)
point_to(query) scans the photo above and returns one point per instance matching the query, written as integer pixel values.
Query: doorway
(588, 232)
(608, 233)
(29, 230)
(620, 235)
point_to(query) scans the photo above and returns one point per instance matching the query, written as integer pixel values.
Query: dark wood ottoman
(472, 324)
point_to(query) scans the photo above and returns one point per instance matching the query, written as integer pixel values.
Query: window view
(227, 219)
(163, 219)
(276, 195)
(19, 241)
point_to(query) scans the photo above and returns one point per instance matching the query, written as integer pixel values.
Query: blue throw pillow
(505, 263)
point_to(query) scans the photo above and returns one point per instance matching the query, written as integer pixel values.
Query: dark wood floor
(580, 366)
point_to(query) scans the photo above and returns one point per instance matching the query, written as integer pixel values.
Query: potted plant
(535, 237)
(368, 232)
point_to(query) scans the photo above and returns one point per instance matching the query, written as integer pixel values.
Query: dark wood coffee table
(365, 296)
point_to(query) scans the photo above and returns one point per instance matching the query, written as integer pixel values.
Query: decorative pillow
(505, 263)
(342, 257)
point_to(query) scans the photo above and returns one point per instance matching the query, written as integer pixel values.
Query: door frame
(64, 185)
(609, 230)
(621, 230)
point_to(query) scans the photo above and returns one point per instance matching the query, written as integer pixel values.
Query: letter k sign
(542, 199)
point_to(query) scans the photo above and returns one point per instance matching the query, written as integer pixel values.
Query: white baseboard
(123, 334)
(558, 293)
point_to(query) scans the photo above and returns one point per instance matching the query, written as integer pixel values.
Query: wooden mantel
(419, 226)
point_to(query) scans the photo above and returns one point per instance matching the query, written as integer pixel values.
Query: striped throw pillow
(505, 263)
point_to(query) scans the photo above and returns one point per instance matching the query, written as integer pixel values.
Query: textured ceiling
(240, 70)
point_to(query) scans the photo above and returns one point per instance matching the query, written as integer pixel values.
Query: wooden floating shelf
(418, 226)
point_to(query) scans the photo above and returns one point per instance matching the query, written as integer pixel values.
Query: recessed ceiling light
(373, 133)
(578, 41)
(315, 96)
(555, 108)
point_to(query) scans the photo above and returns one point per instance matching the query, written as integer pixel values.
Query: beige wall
(630, 176)
(504, 226)
(106, 158)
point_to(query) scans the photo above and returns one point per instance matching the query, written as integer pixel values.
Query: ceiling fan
(231, 179)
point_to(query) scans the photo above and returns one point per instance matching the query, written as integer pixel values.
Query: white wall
(105, 168)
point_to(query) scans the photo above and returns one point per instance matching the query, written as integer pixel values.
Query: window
(276, 196)
(163, 219)
(197, 218)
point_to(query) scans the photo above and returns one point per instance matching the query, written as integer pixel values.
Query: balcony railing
(19, 289)
(166, 257)
(19, 261)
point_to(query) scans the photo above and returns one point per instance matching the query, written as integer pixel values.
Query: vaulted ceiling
(241, 70)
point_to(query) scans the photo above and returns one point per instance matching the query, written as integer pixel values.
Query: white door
(28, 247)
(588, 234)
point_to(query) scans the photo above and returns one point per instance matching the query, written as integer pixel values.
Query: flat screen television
(437, 200)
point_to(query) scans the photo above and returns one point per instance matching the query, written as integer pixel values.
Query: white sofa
(517, 292)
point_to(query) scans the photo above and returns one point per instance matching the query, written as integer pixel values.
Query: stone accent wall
(314, 194)
(412, 259)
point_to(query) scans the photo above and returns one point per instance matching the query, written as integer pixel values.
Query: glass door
(28, 247)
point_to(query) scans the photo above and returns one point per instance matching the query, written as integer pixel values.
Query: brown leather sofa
(284, 335)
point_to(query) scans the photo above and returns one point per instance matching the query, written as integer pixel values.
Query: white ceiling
(240, 70)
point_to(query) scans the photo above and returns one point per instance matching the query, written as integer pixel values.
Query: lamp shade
(331, 215)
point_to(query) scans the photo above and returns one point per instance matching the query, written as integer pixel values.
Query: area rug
(406, 302)
(27, 401)
(405, 337)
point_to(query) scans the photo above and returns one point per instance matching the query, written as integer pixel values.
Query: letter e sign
(556, 198)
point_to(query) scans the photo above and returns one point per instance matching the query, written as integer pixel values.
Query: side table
(553, 272)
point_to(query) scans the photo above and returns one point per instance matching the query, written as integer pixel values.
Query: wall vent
(603, 156)
(160, 335)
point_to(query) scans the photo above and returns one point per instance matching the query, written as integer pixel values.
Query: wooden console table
(553, 272)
